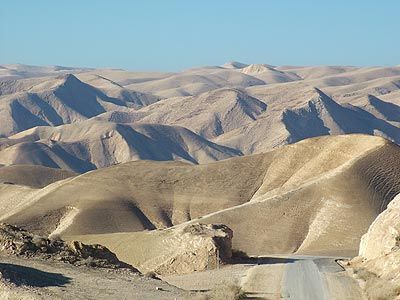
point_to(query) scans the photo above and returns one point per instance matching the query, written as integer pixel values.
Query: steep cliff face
(383, 236)
(202, 247)
(378, 265)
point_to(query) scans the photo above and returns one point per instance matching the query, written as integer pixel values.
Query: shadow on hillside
(21, 275)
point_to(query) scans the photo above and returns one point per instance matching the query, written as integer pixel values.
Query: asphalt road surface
(279, 277)
(301, 278)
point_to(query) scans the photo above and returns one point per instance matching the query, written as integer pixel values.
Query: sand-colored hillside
(196, 81)
(310, 72)
(33, 176)
(313, 113)
(210, 114)
(236, 119)
(269, 74)
(326, 215)
(123, 77)
(285, 200)
(138, 195)
(20, 71)
(96, 144)
(58, 100)
(117, 91)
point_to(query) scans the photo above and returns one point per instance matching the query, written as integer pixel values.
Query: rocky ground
(18, 242)
(34, 267)
(33, 278)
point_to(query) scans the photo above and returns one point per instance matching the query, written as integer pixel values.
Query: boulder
(202, 247)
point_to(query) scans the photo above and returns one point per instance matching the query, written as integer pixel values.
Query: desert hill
(285, 200)
(234, 65)
(234, 118)
(193, 82)
(32, 176)
(55, 101)
(209, 114)
(20, 71)
(115, 90)
(310, 72)
(269, 74)
(95, 144)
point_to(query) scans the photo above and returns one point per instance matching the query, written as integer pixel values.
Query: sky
(171, 35)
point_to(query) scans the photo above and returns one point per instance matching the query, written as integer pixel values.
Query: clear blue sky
(174, 35)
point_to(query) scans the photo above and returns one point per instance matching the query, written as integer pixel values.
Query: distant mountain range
(83, 119)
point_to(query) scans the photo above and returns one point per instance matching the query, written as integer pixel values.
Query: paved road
(301, 278)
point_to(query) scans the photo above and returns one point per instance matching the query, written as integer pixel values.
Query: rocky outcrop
(18, 242)
(202, 247)
(378, 265)
(181, 249)
(383, 236)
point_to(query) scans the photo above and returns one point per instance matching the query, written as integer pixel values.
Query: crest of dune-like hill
(311, 72)
(269, 74)
(234, 65)
(20, 71)
(257, 69)
(193, 82)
